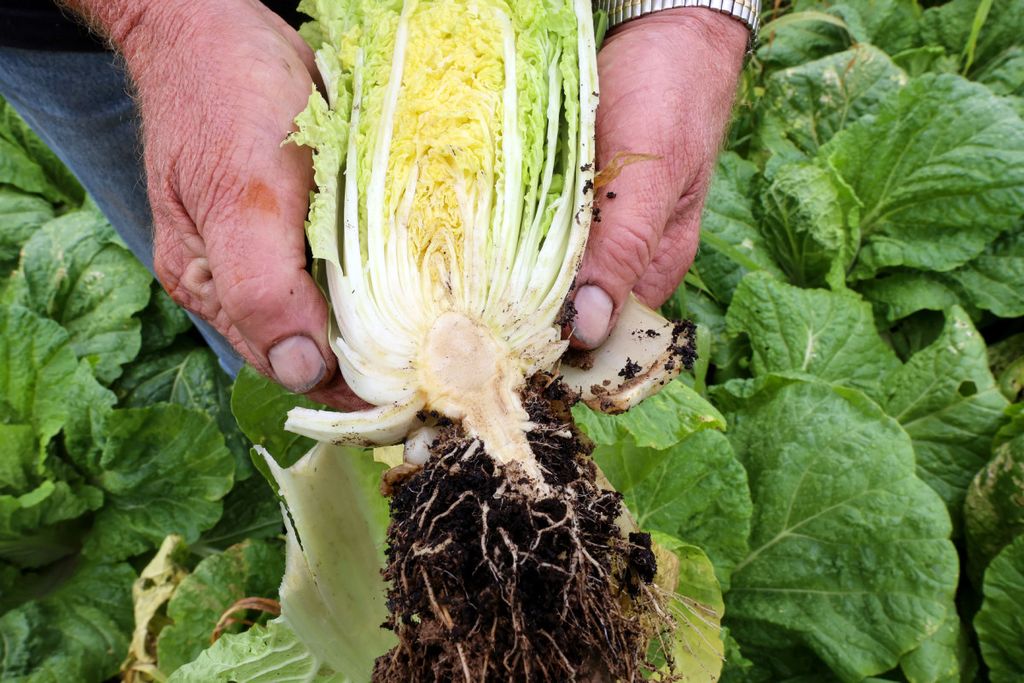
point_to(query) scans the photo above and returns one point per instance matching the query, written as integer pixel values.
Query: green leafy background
(841, 481)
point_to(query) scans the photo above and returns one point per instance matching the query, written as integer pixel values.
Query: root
(495, 579)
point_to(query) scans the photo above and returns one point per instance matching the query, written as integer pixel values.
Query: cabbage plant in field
(454, 158)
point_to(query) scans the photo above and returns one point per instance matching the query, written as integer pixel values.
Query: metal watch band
(623, 10)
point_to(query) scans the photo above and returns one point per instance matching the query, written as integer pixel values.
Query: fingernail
(297, 363)
(593, 313)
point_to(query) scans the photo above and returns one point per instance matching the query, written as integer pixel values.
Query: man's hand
(219, 84)
(667, 85)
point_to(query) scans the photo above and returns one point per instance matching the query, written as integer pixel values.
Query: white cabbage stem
(468, 375)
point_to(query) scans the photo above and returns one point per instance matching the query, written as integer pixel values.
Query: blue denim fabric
(78, 103)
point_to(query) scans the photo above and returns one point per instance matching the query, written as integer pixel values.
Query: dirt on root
(490, 581)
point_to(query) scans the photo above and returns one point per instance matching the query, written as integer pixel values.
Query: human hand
(667, 85)
(219, 85)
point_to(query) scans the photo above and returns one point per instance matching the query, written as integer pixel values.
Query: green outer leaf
(260, 406)
(37, 527)
(336, 518)
(696, 491)
(191, 377)
(263, 654)
(800, 37)
(951, 24)
(661, 421)
(1000, 622)
(850, 552)
(697, 608)
(902, 293)
(944, 657)
(249, 569)
(890, 24)
(948, 402)
(992, 280)
(830, 335)
(1005, 74)
(36, 365)
(28, 164)
(919, 211)
(994, 507)
(74, 270)
(806, 105)
(1012, 429)
(19, 455)
(163, 470)
(77, 633)
(251, 510)
(162, 320)
(804, 222)
(20, 216)
(730, 243)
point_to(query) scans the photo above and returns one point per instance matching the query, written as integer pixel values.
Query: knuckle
(247, 295)
(625, 252)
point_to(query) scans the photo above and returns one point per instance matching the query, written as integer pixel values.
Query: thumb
(257, 260)
(629, 218)
(666, 93)
(636, 122)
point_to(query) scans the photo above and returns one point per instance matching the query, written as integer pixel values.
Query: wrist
(115, 20)
(718, 36)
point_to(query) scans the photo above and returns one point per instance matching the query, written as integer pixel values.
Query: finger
(256, 254)
(632, 210)
(676, 251)
(338, 394)
(301, 48)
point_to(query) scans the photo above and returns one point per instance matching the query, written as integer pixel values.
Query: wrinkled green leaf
(802, 37)
(191, 377)
(20, 216)
(661, 421)
(77, 633)
(75, 271)
(947, 400)
(162, 320)
(251, 510)
(947, 180)
(19, 454)
(950, 26)
(36, 366)
(902, 293)
(1006, 360)
(249, 569)
(730, 244)
(28, 164)
(695, 490)
(830, 335)
(263, 654)
(849, 550)
(43, 524)
(804, 223)
(804, 106)
(163, 470)
(992, 281)
(1000, 622)
(945, 657)
(890, 24)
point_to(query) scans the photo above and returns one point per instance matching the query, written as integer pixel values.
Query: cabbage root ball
(490, 580)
